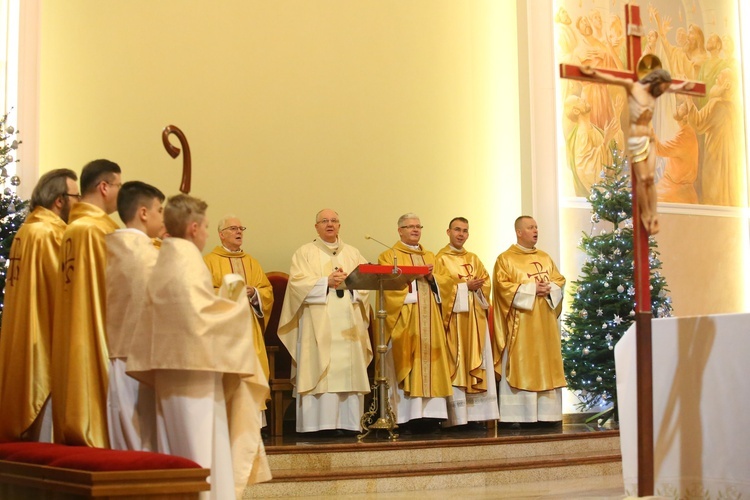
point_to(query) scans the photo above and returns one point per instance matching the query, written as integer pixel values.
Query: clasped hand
(474, 284)
(336, 278)
(543, 288)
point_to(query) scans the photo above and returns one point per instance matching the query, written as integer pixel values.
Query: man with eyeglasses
(80, 361)
(423, 369)
(465, 307)
(228, 258)
(32, 277)
(325, 331)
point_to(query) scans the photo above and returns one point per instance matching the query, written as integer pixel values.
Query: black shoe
(548, 425)
(321, 434)
(476, 426)
(424, 426)
(404, 429)
(509, 425)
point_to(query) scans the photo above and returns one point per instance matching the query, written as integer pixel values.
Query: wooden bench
(59, 472)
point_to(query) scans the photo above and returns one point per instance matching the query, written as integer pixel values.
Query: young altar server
(131, 255)
(196, 349)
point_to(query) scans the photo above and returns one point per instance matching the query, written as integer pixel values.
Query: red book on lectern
(370, 277)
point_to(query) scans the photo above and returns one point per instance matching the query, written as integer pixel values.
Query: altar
(701, 443)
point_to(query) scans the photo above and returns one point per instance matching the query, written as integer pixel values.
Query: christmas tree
(13, 210)
(603, 298)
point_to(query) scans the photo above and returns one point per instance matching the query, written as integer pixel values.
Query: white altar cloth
(701, 383)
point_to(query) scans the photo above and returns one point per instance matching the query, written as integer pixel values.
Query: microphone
(395, 259)
(339, 293)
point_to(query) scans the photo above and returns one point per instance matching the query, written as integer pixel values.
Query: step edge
(464, 467)
(448, 443)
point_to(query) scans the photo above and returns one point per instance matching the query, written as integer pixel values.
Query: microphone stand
(381, 403)
(395, 270)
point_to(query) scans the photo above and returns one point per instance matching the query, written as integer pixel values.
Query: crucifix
(644, 81)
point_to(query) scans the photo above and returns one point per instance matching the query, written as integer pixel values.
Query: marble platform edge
(352, 444)
(408, 457)
(458, 467)
(449, 485)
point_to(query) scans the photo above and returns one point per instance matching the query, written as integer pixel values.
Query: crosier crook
(174, 151)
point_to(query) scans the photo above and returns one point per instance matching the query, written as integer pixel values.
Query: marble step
(385, 453)
(356, 468)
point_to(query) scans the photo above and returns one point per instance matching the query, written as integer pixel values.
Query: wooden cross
(642, 269)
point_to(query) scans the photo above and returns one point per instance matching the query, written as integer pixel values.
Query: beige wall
(372, 107)
(703, 258)
(705, 262)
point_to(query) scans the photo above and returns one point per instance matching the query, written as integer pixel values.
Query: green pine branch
(603, 297)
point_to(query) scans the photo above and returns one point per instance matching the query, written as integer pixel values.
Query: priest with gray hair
(325, 330)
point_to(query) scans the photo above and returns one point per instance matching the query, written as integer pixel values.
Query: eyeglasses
(234, 229)
(412, 226)
(72, 195)
(113, 184)
(326, 221)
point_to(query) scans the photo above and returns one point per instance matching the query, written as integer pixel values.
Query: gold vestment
(80, 361)
(32, 277)
(420, 351)
(466, 330)
(532, 336)
(222, 262)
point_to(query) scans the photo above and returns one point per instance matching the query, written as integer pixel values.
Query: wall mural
(700, 141)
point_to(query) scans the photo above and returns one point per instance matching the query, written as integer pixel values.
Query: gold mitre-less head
(647, 64)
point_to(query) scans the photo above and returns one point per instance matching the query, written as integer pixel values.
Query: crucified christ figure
(642, 96)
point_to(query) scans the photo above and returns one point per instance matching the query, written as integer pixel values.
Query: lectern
(380, 278)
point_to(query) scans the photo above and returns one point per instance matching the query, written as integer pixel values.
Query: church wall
(706, 263)
(703, 258)
(374, 108)
(294, 105)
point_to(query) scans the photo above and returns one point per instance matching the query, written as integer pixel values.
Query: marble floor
(605, 488)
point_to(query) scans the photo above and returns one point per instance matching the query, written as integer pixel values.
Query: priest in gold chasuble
(228, 258)
(32, 277)
(414, 326)
(465, 307)
(527, 300)
(80, 361)
(325, 331)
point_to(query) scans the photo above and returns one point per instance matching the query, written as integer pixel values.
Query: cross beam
(573, 72)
